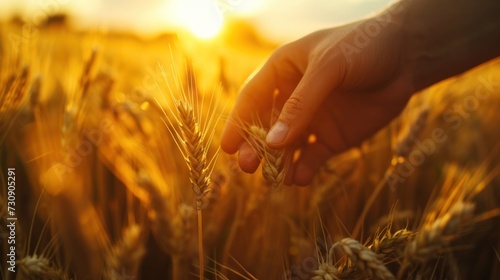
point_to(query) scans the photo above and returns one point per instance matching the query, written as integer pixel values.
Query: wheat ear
(195, 151)
(434, 237)
(193, 137)
(363, 258)
(325, 271)
(389, 243)
(11, 99)
(15, 91)
(274, 165)
(39, 267)
(125, 257)
(195, 154)
(167, 225)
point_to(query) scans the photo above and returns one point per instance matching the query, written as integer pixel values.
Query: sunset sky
(280, 20)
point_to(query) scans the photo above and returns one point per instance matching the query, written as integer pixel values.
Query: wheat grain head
(39, 267)
(127, 254)
(275, 161)
(363, 258)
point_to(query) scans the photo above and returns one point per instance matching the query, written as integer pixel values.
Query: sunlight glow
(203, 18)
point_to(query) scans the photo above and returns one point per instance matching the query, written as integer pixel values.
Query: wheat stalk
(193, 138)
(85, 77)
(402, 150)
(170, 222)
(34, 93)
(166, 224)
(195, 154)
(450, 215)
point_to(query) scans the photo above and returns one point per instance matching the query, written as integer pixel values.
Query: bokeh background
(103, 192)
(277, 20)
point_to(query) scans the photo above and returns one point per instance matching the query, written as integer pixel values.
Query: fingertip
(247, 158)
(231, 138)
(303, 175)
(277, 135)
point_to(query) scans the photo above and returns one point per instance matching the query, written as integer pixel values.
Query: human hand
(330, 85)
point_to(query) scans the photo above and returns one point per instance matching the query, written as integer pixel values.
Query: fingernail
(247, 154)
(277, 133)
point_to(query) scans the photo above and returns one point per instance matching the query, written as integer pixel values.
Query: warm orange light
(203, 18)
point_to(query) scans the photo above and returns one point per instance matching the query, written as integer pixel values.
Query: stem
(232, 232)
(370, 202)
(200, 244)
(176, 262)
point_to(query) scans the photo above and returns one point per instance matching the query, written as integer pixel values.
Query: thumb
(298, 111)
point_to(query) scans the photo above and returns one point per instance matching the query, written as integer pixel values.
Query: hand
(341, 84)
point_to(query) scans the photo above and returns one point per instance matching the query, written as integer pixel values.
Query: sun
(203, 18)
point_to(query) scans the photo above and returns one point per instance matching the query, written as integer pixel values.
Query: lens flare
(203, 18)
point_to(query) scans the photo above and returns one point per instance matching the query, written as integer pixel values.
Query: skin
(343, 84)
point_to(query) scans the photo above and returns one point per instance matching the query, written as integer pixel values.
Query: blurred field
(102, 191)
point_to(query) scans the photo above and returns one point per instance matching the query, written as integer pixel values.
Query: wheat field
(118, 174)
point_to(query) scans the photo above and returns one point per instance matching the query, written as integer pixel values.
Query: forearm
(446, 37)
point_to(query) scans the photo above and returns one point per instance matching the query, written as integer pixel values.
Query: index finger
(255, 97)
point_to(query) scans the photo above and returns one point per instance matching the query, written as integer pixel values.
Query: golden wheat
(389, 243)
(325, 271)
(403, 147)
(166, 224)
(125, 257)
(364, 259)
(406, 140)
(449, 216)
(274, 165)
(268, 234)
(195, 152)
(39, 267)
(193, 138)
(433, 239)
(12, 94)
